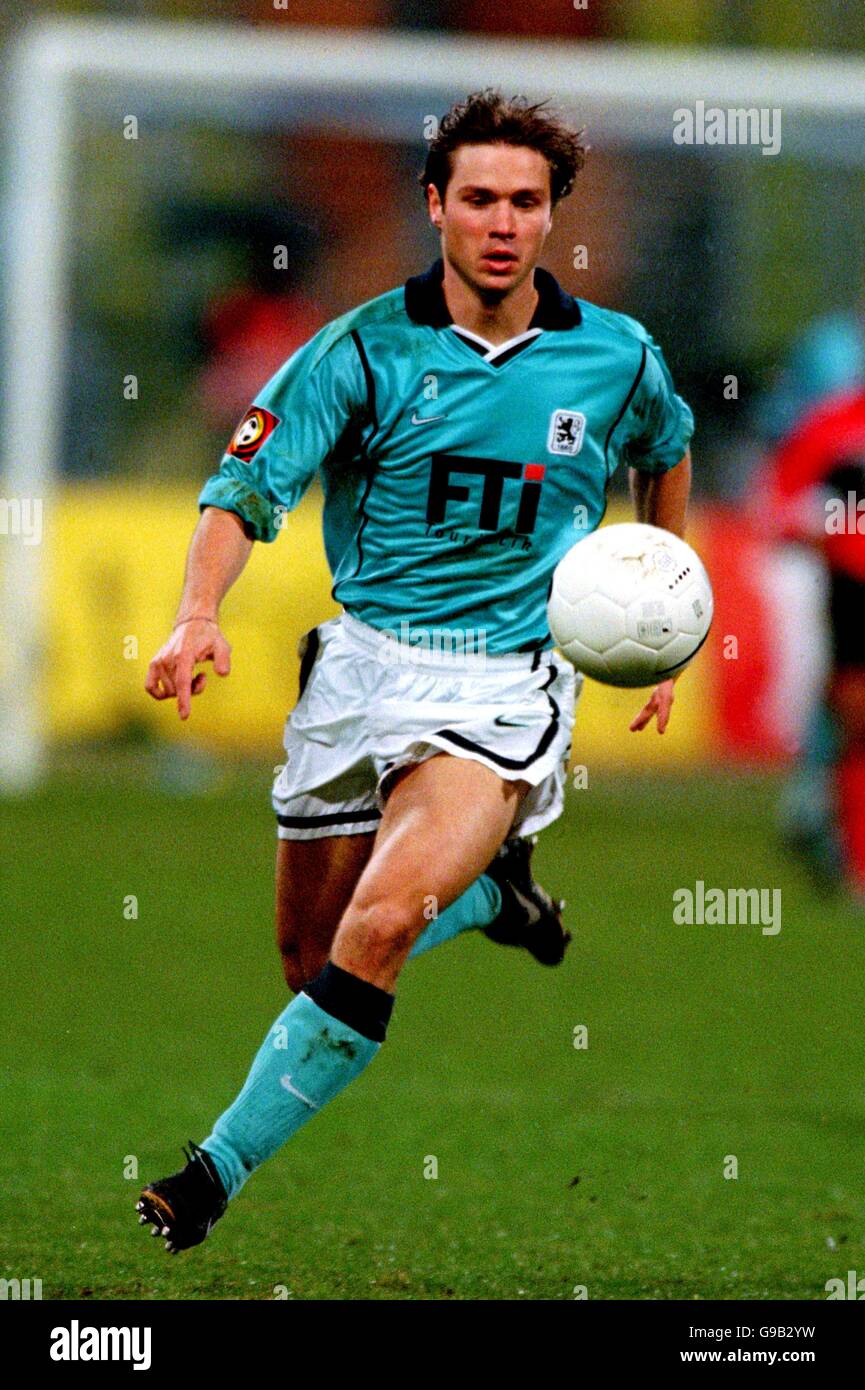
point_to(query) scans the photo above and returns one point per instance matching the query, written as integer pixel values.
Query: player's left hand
(658, 707)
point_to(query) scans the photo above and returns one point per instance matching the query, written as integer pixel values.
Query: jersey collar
(425, 301)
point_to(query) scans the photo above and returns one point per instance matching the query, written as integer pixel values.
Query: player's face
(496, 214)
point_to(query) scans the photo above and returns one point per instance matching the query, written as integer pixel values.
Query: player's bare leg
(333, 1029)
(443, 822)
(315, 880)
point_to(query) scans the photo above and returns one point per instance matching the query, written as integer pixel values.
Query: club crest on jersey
(256, 426)
(567, 428)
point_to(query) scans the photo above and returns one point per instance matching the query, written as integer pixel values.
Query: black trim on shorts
(307, 661)
(513, 764)
(331, 818)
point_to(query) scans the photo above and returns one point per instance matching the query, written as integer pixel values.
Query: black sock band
(364, 1007)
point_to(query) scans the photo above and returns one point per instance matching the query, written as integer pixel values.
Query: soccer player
(825, 359)
(465, 427)
(813, 493)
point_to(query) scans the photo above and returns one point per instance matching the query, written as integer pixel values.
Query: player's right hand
(170, 673)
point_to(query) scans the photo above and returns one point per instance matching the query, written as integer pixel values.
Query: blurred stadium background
(164, 300)
(151, 298)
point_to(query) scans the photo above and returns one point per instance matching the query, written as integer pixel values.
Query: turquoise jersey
(455, 474)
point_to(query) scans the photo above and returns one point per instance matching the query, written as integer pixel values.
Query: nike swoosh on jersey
(426, 419)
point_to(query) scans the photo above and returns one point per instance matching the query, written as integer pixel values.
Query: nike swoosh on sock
(286, 1082)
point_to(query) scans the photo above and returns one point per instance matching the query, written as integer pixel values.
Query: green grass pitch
(558, 1167)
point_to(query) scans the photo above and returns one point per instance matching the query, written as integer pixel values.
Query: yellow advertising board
(114, 558)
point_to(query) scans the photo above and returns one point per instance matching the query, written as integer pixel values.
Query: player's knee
(381, 929)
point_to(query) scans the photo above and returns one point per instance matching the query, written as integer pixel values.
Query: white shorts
(369, 706)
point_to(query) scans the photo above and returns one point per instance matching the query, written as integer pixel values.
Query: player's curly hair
(486, 117)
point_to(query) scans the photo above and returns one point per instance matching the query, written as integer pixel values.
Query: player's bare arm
(218, 552)
(661, 500)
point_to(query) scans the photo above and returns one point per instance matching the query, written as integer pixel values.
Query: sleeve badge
(256, 426)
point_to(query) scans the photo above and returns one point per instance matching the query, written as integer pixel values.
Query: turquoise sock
(307, 1058)
(479, 905)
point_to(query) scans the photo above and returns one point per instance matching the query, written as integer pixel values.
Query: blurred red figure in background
(249, 334)
(814, 493)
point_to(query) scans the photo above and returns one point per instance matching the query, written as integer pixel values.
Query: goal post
(59, 69)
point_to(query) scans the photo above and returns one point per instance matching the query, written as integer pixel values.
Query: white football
(630, 604)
